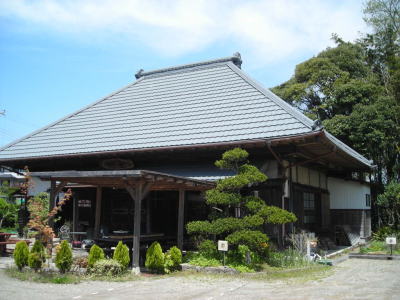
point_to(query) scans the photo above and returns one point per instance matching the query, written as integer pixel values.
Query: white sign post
(223, 246)
(391, 241)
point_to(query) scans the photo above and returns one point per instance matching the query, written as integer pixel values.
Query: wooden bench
(3, 244)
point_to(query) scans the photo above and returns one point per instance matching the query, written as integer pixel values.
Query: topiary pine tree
(64, 257)
(121, 254)
(228, 198)
(21, 254)
(39, 249)
(95, 254)
(155, 258)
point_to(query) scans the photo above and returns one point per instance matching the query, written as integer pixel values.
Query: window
(368, 200)
(309, 201)
(309, 207)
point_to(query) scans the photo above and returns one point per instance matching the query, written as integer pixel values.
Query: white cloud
(270, 30)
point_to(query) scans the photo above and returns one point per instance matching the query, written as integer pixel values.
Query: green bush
(64, 257)
(201, 261)
(176, 255)
(254, 239)
(107, 267)
(287, 258)
(382, 233)
(172, 259)
(155, 258)
(21, 254)
(35, 261)
(95, 254)
(39, 249)
(121, 254)
(208, 248)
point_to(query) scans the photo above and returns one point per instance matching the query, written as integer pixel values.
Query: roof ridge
(277, 100)
(67, 116)
(235, 59)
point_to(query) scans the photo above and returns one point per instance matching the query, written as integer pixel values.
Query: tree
(331, 83)
(382, 46)
(21, 253)
(64, 257)
(121, 254)
(155, 258)
(389, 202)
(95, 254)
(40, 216)
(237, 217)
(8, 209)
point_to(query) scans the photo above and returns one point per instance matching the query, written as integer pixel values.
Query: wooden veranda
(138, 184)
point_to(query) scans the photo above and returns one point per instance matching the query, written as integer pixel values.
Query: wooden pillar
(52, 200)
(148, 215)
(181, 211)
(98, 211)
(136, 228)
(75, 216)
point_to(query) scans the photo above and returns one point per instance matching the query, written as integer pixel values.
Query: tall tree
(238, 218)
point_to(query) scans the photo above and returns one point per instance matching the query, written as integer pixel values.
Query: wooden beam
(98, 211)
(181, 212)
(279, 160)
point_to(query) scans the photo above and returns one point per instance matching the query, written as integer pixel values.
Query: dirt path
(353, 279)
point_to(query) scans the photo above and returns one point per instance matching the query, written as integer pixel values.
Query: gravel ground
(352, 279)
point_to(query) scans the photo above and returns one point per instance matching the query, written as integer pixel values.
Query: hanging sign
(84, 203)
(223, 245)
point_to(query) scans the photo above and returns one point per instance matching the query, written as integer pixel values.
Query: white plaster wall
(38, 186)
(346, 194)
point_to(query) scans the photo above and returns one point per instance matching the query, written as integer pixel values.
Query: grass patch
(379, 247)
(126, 276)
(304, 274)
(43, 277)
(310, 272)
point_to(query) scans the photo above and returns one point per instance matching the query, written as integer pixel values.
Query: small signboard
(84, 203)
(391, 241)
(223, 245)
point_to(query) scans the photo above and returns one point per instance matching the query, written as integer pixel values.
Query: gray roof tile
(200, 103)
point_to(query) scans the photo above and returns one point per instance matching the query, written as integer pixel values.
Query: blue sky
(58, 56)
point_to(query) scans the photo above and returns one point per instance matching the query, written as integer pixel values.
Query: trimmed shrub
(64, 257)
(176, 255)
(35, 261)
(39, 249)
(95, 254)
(155, 258)
(107, 267)
(172, 259)
(208, 248)
(253, 239)
(121, 254)
(21, 254)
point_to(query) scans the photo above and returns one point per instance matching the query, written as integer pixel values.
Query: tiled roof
(208, 102)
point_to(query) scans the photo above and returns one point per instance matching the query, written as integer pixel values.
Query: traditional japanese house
(140, 158)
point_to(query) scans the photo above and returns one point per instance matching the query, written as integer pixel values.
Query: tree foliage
(64, 257)
(95, 254)
(121, 254)
(390, 203)
(354, 89)
(227, 199)
(8, 209)
(155, 258)
(21, 253)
